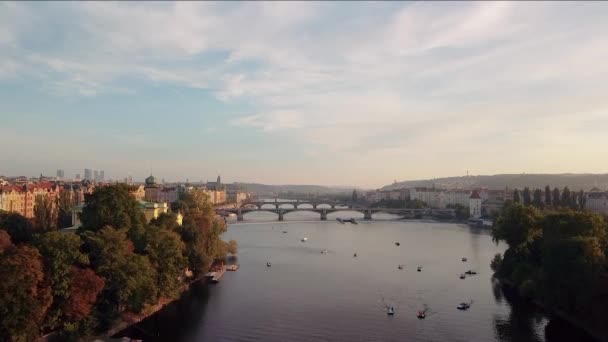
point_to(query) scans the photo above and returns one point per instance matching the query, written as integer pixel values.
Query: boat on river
(462, 276)
(390, 310)
(304, 239)
(268, 264)
(419, 269)
(463, 306)
(421, 314)
(324, 251)
(397, 244)
(470, 272)
(464, 259)
(400, 267)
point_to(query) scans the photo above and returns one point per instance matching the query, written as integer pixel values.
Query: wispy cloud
(367, 80)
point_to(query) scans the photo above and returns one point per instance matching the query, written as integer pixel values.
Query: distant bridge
(294, 204)
(323, 212)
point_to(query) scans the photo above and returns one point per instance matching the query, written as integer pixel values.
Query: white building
(475, 205)
(431, 196)
(597, 201)
(453, 197)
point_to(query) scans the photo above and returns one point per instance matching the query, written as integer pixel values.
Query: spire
(219, 180)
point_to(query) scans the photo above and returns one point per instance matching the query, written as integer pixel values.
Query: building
(102, 176)
(138, 192)
(475, 205)
(152, 210)
(597, 201)
(88, 174)
(60, 174)
(216, 191)
(454, 197)
(96, 175)
(157, 193)
(431, 196)
(151, 189)
(21, 199)
(236, 196)
(78, 176)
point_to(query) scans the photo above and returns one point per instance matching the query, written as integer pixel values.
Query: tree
(64, 210)
(526, 196)
(5, 241)
(85, 287)
(547, 196)
(582, 200)
(537, 199)
(60, 252)
(114, 206)
(556, 198)
(18, 227)
(45, 215)
(566, 201)
(518, 225)
(354, 197)
(232, 247)
(516, 197)
(24, 295)
(111, 206)
(166, 221)
(130, 278)
(165, 250)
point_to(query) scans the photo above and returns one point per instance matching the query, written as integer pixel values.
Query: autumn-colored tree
(85, 286)
(233, 247)
(45, 215)
(5, 241)
(24, 295)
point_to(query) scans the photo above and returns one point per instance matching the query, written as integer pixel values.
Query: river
(311, 296)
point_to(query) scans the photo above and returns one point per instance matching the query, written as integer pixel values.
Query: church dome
(150, 181)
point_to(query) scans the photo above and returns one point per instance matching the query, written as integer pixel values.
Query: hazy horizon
(336, 94)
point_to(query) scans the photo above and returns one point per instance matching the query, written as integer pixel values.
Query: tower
(219, 180)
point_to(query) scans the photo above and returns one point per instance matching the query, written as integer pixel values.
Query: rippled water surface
(310, 296)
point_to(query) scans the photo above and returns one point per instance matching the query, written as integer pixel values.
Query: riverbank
(579, 324)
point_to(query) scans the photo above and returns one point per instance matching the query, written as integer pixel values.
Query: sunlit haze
(303, 93)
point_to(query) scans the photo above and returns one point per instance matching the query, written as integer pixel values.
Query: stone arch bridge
(323, 212)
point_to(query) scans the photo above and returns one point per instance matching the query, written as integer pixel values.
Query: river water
(311, 296)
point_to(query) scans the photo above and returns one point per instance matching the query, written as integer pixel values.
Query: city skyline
(353, 94)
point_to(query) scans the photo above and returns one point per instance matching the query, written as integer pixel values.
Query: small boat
(470, 272)
(419, 268)
(397, 244)
(464, 259)
(324, 251)
(304, 239)
(462, 276)
(400, 267)
(390, 310)
(463, 306)
(268, 264)
(284, 232)
(232, 267)
(421, 314)
(355, 255)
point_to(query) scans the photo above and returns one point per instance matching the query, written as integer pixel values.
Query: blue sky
(317, 93)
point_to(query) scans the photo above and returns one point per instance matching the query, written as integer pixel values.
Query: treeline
(540, 198)
(556, 256)
(78, 284)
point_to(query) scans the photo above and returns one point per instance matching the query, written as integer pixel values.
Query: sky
(359, 93)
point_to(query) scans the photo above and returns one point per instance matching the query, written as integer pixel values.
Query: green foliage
(45, 215)
(460, 211)
(111, 206)
(559, 258)
(516, 197)
(64, 210)
(24, 295)
(537, 199)
(548, 196)
(557, 199)
(60, 252)
(130, 278)
(527, 197)
(165, 250)
(166, 221)
(18, 227)
(496, 262)
(566, 200)
(518, 225)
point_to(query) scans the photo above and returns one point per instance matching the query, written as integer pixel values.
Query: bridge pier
(314, 206)
(281, 215)
(239, 215)
(367, 215)
(324, 215)
(333, 206)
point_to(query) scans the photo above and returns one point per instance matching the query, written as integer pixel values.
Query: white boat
(304, 239)
(390, 310)
(324, 251)
(268, 264)
(463, 306)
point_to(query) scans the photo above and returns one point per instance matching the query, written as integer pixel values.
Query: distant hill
(574, 181)
(264, 189)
